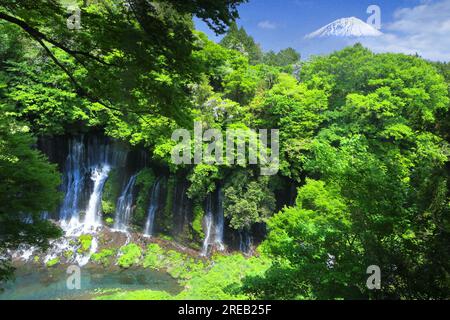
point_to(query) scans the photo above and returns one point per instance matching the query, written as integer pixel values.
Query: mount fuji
(346, 27)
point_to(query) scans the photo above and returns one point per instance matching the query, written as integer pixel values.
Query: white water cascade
(219, 222)
(245, 241)
(73, 184)
(208, 224)
(92, 219)
(86, 170)
(87, 167)
(154, 205)
(124, 206)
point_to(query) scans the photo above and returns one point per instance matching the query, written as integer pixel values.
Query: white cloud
(424, 29)
(268, 25)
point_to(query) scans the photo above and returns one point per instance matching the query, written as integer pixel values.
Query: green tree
(29, 188)
(283, 58)
(381, 198)
(298, 112)
(248, 200)
(132, 56)
(238, 39)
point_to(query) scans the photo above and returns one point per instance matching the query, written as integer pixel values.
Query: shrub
(103, 256)
(130, 255)
(138, 295)
(85, 241)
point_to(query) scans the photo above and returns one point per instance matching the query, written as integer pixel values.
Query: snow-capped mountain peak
(346, 27)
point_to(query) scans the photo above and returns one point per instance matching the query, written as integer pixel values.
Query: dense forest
(363, 180)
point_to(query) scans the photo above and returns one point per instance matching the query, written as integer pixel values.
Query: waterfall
(99, 176)
(245, 241)
(214, 223)
(124, 205)
(86, 170)
(208, 224)
(219, 221)
(73, 183)
(180, 208)
(154, 205)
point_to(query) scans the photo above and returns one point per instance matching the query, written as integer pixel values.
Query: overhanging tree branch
(36, 34)
(41, 39)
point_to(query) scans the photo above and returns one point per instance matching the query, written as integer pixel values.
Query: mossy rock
(68, 254)
(109, 222)
(166, 221)
(85, 241)
(52, 262)
(103, 257)
(197, 223)
(144, 183)
(111, 192)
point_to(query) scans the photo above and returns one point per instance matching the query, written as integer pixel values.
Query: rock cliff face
(109, 184)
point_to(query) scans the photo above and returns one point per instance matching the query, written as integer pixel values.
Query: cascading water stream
(179, 209)
(219, 222)
(245, 241)
(92, 219)
(73, 184)
(86, 168)
(208, 224)
(154, 205)
(125, 206)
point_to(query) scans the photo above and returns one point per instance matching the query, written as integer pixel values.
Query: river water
(51, 284)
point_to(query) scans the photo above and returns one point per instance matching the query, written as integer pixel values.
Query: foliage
(298, 112)
(178, 265)
(52, 262)
(223, 279)
(364, 136)
(202, 179)
(167, 216)
(247, 200)
(137, 295)
(238, 39)
(161, 74)
(283, 58)
(144, 182)
(220, 279)
(28, 188)
(111, 191)
(68, 254)
(129, 255)
(85, 241)
(103, 256)
(109, 221)
(197, 223)
(381, 198)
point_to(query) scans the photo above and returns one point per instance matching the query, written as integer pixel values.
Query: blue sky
(410, 26)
